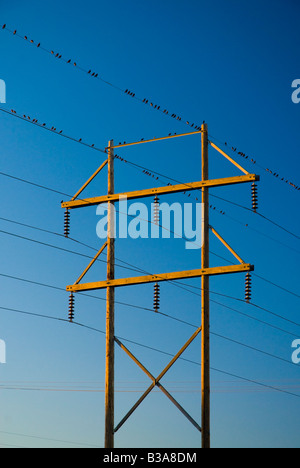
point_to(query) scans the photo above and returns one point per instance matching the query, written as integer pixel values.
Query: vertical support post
(205, 358)
(110, 309)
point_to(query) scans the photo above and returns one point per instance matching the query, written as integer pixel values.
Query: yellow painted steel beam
(245, 267)
(157, 139)
(160, 191)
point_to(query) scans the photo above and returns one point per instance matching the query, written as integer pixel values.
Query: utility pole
(205, 360)
(110, 309)
(204, 272)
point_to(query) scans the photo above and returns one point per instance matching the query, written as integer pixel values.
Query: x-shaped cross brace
(156, 381)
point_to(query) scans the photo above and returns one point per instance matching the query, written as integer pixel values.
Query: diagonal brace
(229, 158)
(91, 263)
(156, 381)
(90, 180)
(226, 245)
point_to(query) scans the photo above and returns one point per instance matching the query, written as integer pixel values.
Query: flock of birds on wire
(132, 94)
(156, 302)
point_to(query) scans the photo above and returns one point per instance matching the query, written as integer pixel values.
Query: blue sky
(228, 63)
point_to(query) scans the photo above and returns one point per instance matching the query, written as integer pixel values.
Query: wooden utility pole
(204, 272)
(110, 309)
(205, 359)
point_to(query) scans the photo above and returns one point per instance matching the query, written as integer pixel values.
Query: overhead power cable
(146, 101)
(149, 172)
(139, 270)
(94, 75)
(151, 310)
(183, 359)
(250, 159)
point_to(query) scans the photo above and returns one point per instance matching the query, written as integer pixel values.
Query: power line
(146, 171)
(134, 306)
(263, 322)
(37, 283)
(253, 348)
(253, 161)
(89, 72)
(45, 244)
(178, 283)
(48, 439)
(133, 95)
(53, 129)
(145, 101)
(134, 267)
(184, 359)
(254, 382)
(139, 270)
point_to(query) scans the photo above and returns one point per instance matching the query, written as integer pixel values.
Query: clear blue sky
(228, 63)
